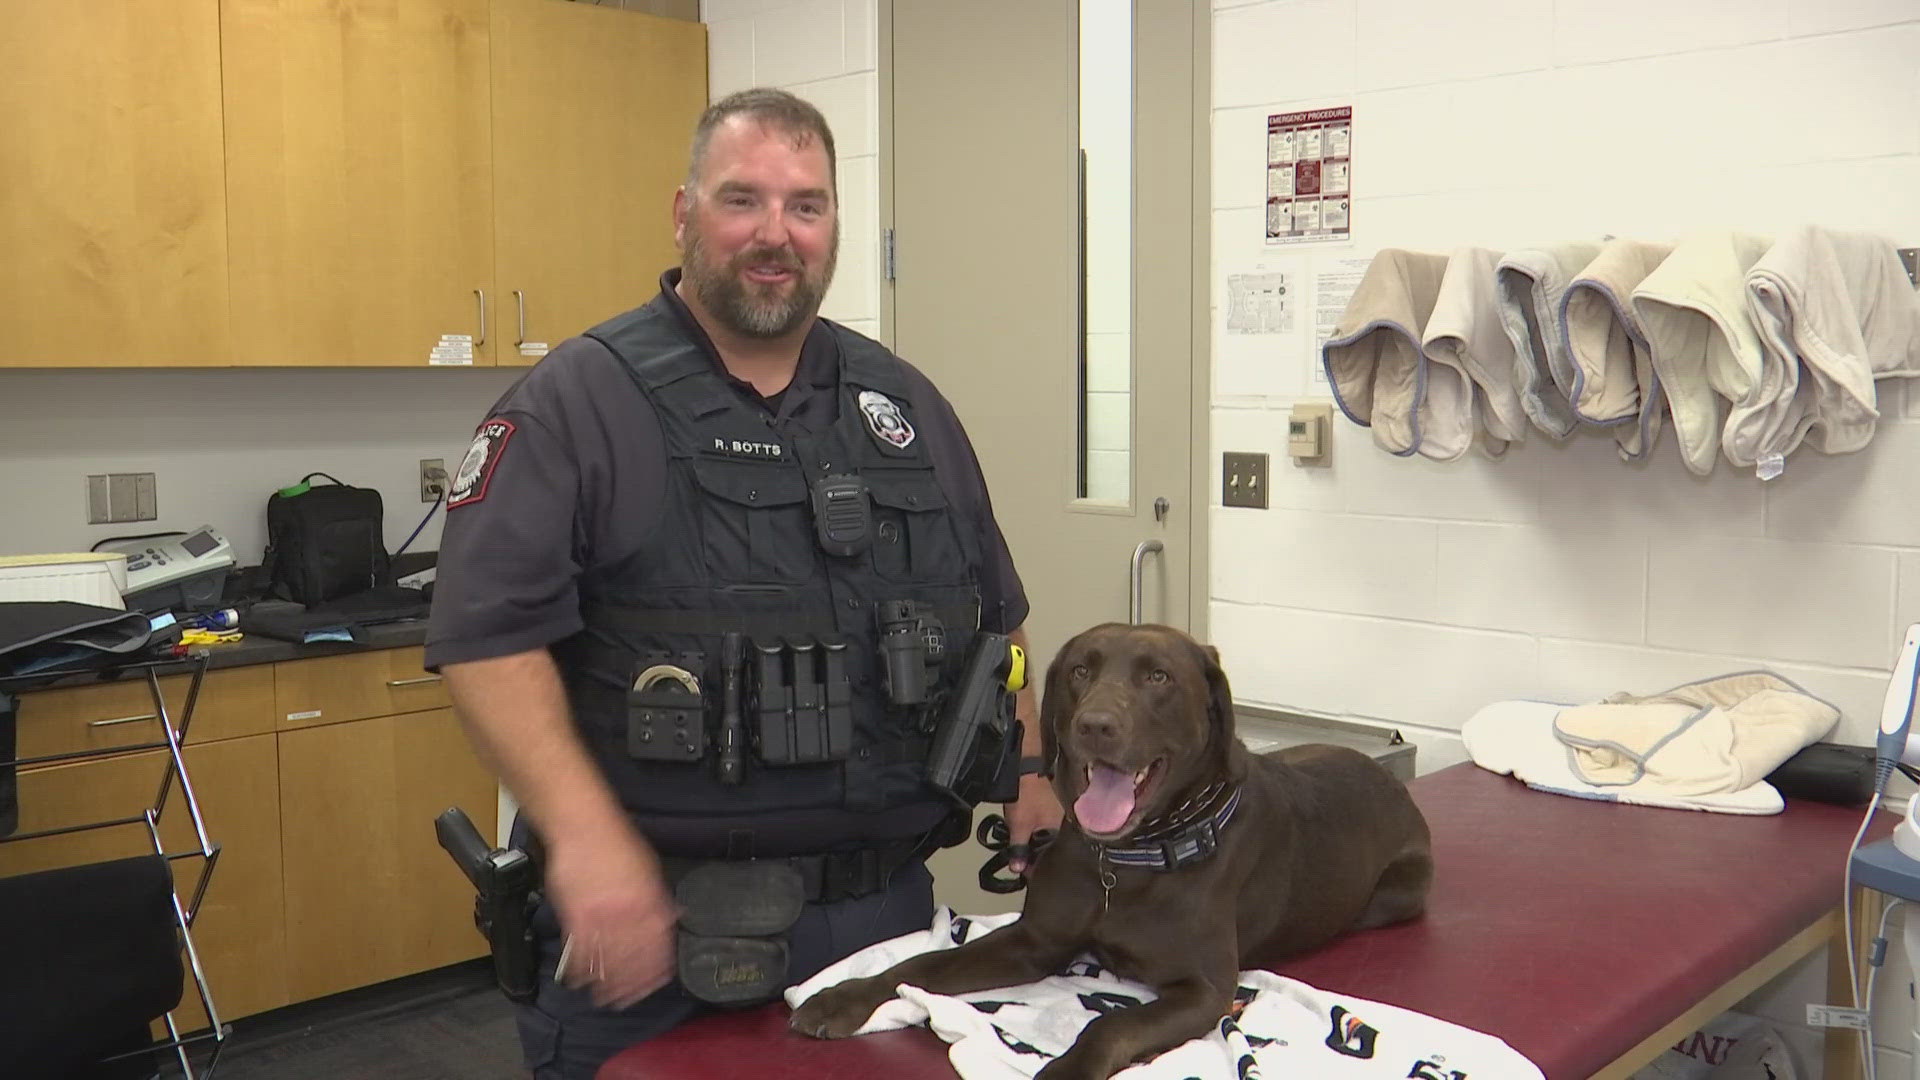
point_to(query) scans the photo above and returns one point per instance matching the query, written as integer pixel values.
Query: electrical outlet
(1243, 480)
(433, 478)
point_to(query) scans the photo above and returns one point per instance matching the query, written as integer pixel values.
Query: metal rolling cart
(201, 846)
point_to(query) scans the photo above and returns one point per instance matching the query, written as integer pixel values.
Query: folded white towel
(1613, 379)
(1515, 738)
(1702, 738)
(1693, 309)
(1838, 307)
(1278, 1026)
(1374, 362)
(1465, 333)
(1529, 286)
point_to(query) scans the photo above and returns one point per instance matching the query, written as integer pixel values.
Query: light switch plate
(1243, 480)
(123, 497)
(146, 500)
(99, 507)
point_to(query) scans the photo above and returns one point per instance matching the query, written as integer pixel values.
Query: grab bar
(1140, 551)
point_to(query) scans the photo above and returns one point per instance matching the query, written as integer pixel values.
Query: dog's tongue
(1107, 802)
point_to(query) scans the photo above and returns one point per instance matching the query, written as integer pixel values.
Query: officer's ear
(682, 205)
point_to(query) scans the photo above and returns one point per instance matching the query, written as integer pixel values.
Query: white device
(162, 561)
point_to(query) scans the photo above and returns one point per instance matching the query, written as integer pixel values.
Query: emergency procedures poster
(1309, 176)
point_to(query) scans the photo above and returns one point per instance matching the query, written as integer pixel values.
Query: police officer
(717, 470)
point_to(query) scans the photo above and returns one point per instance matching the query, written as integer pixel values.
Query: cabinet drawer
(99, 716)
(354, 686)
(240, 931)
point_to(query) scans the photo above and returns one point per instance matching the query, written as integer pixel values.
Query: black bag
(326, 541)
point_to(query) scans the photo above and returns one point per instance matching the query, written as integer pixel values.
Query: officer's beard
(749, 309)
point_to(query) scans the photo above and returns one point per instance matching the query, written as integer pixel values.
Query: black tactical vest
(737, 550)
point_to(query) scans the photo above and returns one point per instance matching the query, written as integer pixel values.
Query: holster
(733, 928)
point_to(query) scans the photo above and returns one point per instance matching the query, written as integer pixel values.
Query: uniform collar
(819, 355)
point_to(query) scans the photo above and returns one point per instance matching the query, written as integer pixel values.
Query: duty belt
(827, 878)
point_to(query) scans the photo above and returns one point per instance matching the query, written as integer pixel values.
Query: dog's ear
(1054, 704)
(1219, 705)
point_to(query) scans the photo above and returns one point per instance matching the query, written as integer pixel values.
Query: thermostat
(1307, 436)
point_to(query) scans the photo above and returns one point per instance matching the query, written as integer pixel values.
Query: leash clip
(994, 835)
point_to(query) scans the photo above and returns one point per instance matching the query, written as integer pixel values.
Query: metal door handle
(520, 301)
(413, 682)
(1140, 551)
(482, 339)
(123, 720)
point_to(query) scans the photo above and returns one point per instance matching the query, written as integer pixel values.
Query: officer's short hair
(775, 108)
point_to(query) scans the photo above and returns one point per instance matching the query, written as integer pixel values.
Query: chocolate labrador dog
(1183, 857)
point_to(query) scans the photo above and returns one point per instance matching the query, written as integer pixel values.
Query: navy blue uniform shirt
(580, 477)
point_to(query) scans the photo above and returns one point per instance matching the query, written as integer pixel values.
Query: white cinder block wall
(1410, 592)
(827, 52)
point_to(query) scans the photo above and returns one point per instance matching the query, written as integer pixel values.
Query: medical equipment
(1890, 866)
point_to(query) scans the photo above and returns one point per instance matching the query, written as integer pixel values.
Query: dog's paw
(839, 1011)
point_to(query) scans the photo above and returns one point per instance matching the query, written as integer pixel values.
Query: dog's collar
(1187, 835)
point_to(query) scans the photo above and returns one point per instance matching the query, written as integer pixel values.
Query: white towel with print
(1464, 335)
(1279, 1027)
(1693, 308)
(1516, 738)
(1529, 286)
(1834, 311)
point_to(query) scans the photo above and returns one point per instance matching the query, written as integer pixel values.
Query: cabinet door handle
(123, 720)
(520, 301)
(413, 682)
(482, 339)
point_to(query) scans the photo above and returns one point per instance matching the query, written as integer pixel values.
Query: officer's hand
(1037, 808)
(614, 904)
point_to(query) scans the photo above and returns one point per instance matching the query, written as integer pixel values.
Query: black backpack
(325, 541)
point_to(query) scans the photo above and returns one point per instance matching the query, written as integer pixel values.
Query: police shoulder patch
(884, 419)
(476, 469)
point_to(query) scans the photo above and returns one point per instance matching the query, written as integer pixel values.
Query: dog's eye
(1157, 676)
(1079, 671)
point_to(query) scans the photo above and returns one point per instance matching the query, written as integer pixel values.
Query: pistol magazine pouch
(733, 929)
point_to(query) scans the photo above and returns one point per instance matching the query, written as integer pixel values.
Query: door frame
(1200, 298)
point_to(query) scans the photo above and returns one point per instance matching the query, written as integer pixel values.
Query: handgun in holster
(976, 740)
(507, 881)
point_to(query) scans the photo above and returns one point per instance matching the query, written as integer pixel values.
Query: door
(584, 97)
(359, 181)
(1043, 200)
(113, 219)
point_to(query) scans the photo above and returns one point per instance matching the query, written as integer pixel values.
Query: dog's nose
(1097, 726)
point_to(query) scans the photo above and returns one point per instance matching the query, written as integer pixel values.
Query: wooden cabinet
(592, 111)
(334, 182)
(354, 686)
(359, 178)
(329, 876)
(113, 229)
(370, 895)
(240, 929)
(102, 716)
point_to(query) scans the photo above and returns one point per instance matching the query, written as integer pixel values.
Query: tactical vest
(738, 549)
